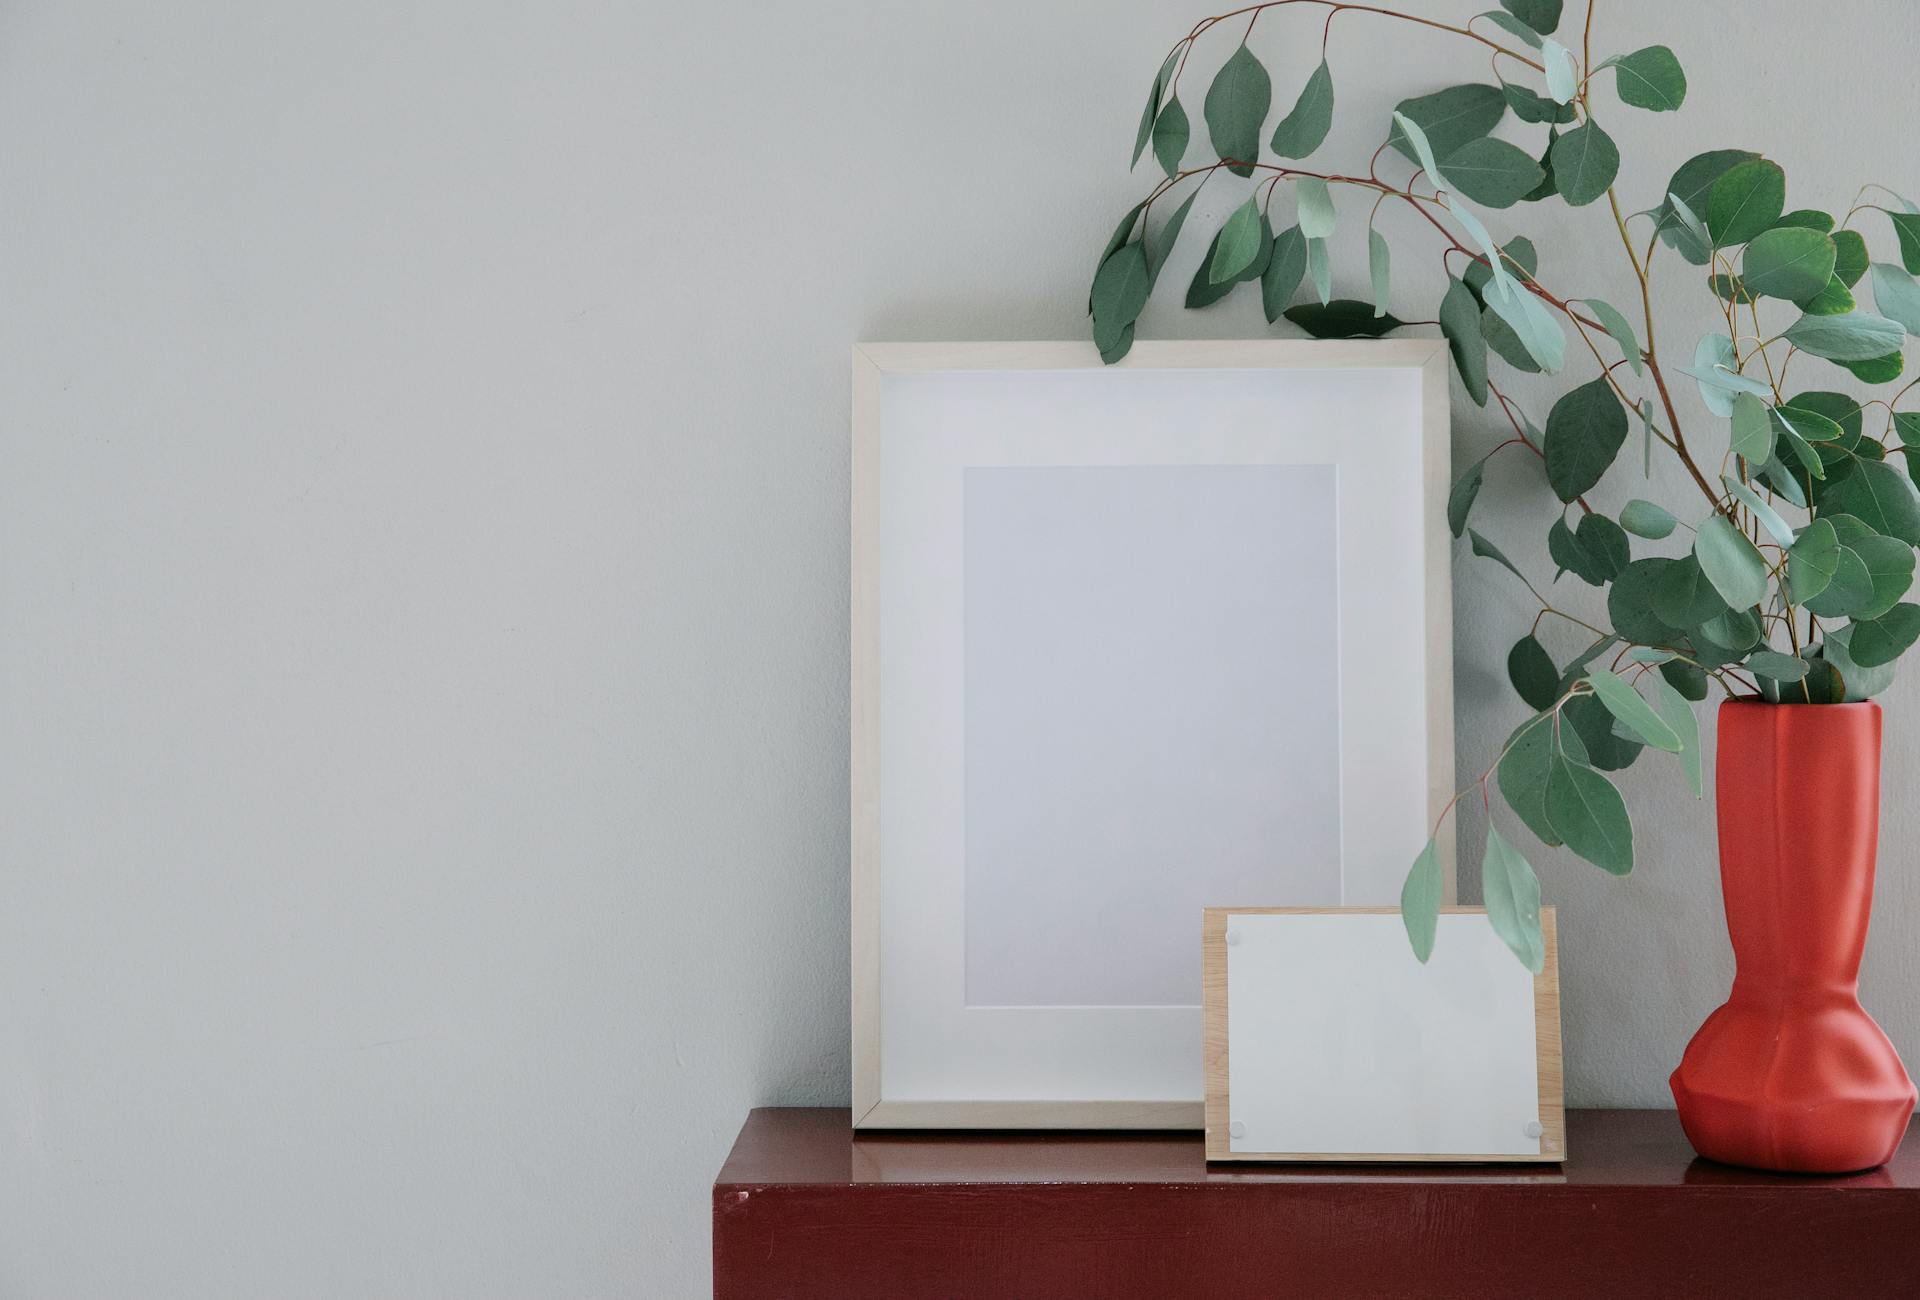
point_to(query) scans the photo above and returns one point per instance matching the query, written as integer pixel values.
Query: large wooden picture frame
(1061, 566)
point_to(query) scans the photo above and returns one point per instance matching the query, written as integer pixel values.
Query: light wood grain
(1546, 1028)
(872, 1108)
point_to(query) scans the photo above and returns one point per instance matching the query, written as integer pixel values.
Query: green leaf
(1460, 322)
(1625, 704)
(1808, 219)
(1684, 597)
(1782, 668)
(1587, 813)
(1856, 336)
(1238, 245)
(1286, 267)
(1834, 300)
(1769, 518)
(1630, 606)
(1236, 109)
(1897, 296)
(1162, 247)
(1889, 563)
(1674, 710)
(1585, 161)
(1120, 289)
(1849, 591)
(1535, 108)
(1492, 172)
(1420, 901)
(1512, 895)
(1317, 216)
(1690, 189)
(1524, 765)
(1881, 496)
(1513, 27)
(1305, 128)
(1153, 105)
(1343, 318)
(1645, 519)
(1115, 348)
(1535, 327)
(1882, 640)
(1712, 355)
(1486, 550)
(1851, 258)
(1203, 292)
(1448, 119)
(1789, 263)
(1585, 430)
(1730, 562)
(1752, 429)
(1651, 79)
(1460, 499)
(1320, 266)
(1812, 560)
(1596, 553)
(1563, 71)
(1907, 226)
(1856, 681)
(1170, 136)
(1618, 326)
(1379, 270)
(1735, 630)
(1541, 15)
(1530, 669)
(1689, 680)
(1746, 201)
(1876, 370)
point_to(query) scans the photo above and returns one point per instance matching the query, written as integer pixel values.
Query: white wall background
(423, 565)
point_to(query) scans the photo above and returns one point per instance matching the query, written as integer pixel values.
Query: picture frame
(1387, 1059)
(1052, 773)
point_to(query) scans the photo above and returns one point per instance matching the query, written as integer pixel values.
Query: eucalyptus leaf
(1769, 518)
(1148, 117)
(1585, 161)
(1788, 262)
(1674, 710)
(1530, 669)
(1488, 551)
(1541, 15)
(1492, 172)
(1420, 899)
(1563, 71)
(1620, 329)
(1535, 108)
(1537, 328)
(1305, 128)
(1120, 289)
(1713, 354)
(1689, 190)
(1856, 681)
(1684, 597)
(1645, 519)
(1286, 267)
(1460, 322)
(1512, 894)
(1897, 296)
(1731, 564)
(1460, 499)
(1587, 813)
(1881, 496)
(1171, 134)
(1379, 270)
(1626, 704)
(1782, 668)
(1752, 429)
(1745, 202)
(1585, 430)
(1857, 336)
(1812, 560)
(1162, 248)
(1320, 267)
(1514, 27)
(1236, 109)
(1524, 764)
(1318, 219)
(1446, 120)
(1880, 641)
(1651, 79)
(1238, 245)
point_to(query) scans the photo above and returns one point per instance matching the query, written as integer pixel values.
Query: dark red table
(803, 1208)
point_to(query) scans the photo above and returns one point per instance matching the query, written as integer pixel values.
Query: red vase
(1792, 1074)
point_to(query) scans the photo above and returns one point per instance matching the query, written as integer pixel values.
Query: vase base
(1812, 1093)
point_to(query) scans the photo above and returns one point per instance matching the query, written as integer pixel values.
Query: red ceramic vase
(1792, 1074)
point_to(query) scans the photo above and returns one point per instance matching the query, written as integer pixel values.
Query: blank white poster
(1340, 1041)
(1151, 719)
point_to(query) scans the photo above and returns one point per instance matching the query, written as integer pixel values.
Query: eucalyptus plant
(1794, 559)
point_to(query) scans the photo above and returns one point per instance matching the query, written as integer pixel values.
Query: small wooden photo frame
(1327, 1040)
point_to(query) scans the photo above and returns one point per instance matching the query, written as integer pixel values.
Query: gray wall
(423, 565)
